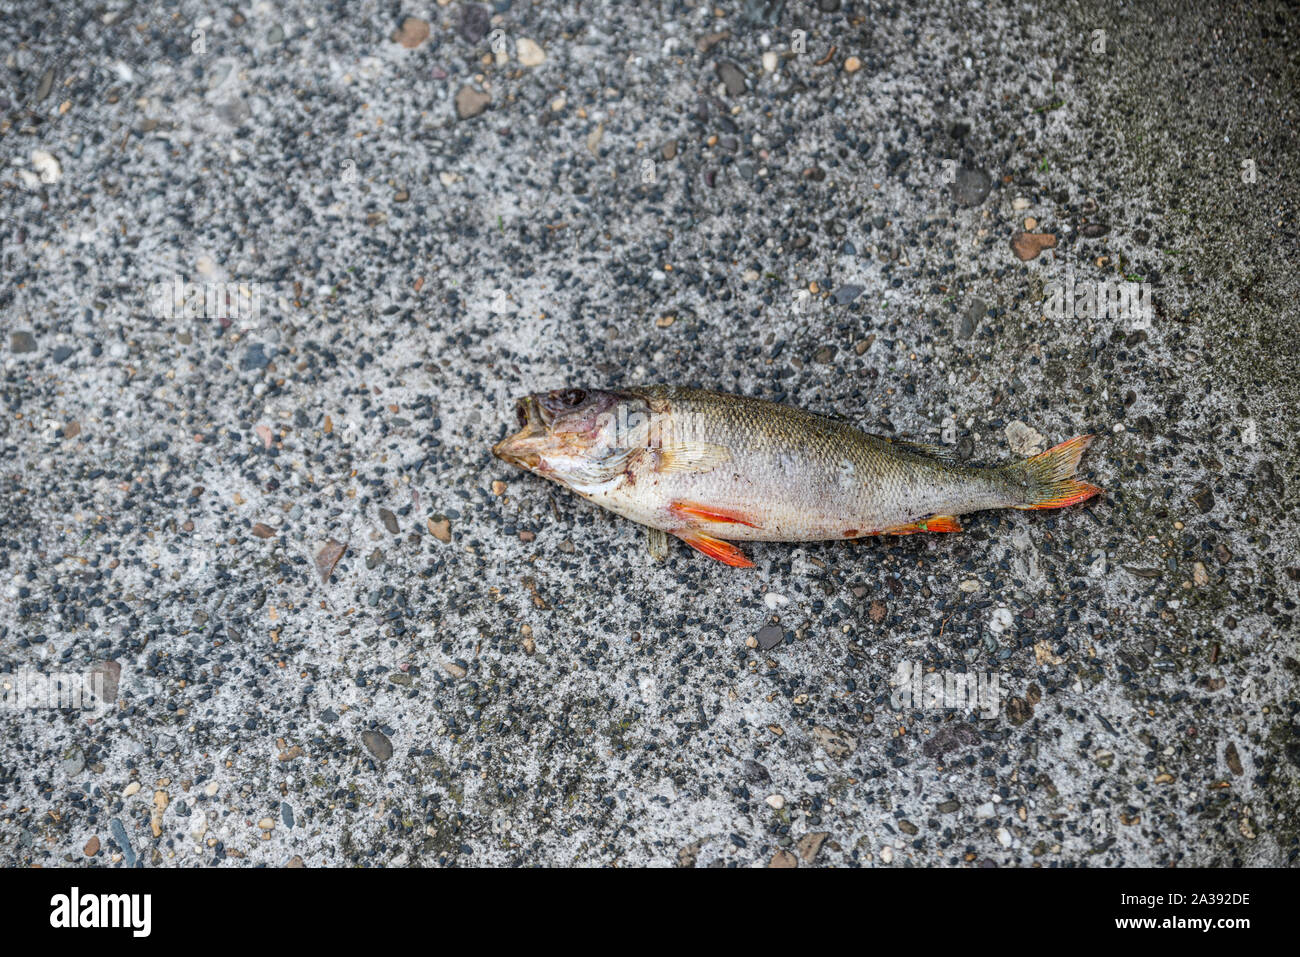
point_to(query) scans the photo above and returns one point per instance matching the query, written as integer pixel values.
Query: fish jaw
(570, 436)
(525, 449)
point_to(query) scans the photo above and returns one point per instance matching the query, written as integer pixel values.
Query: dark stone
(769, 636)
(970, 319)
(255, 358)
(949, 738)
(474, 22)
(118, 830)
(1233, 759)
(971, 186)
(731, 76)
(1203, 498)
(377, 743)
(846, 294)
(764, 11)
(1019, 711)
(103, 680)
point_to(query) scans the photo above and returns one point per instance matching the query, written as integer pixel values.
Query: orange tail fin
(1047, 480)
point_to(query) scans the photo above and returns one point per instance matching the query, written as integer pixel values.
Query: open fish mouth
(524, 448)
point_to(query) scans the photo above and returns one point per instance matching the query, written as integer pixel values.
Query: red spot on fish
(850, 533)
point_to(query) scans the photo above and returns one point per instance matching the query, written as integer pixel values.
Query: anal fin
(724, 552)
(935, 523)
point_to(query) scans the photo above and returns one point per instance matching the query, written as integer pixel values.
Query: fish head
(580, 438)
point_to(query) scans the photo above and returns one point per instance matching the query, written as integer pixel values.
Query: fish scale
(711, 467)
(800, 475)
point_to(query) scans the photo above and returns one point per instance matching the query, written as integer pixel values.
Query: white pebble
(529, 53)
(1024, 440)
(47, 167)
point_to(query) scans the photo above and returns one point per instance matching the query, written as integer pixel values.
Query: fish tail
(1047, 480)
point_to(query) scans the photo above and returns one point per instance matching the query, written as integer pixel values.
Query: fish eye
(521, 414)
(570, 397)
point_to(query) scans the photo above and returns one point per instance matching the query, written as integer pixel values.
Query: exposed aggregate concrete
(494, 672)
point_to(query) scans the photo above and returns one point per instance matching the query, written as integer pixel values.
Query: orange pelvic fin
(942, 523)
(1051, 482)
(704, 512)
(724, 552)
(935, 523)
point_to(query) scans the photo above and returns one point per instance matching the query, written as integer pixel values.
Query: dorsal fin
(943, 453)
(833, 416)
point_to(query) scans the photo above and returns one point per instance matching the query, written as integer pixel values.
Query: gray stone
(377, 744)
(732, 77)
(971, 186)
(769, 636)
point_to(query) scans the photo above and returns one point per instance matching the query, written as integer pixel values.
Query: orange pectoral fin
(694, 510)
(724, 552)
(935, 523)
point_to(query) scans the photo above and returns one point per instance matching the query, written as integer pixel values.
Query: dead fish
(712, 469)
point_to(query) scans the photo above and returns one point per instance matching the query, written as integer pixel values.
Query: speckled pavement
(440, 207)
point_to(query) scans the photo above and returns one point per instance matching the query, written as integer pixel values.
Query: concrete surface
(497, 673)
